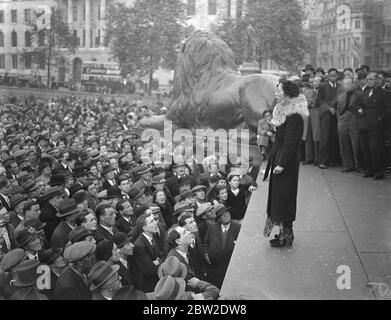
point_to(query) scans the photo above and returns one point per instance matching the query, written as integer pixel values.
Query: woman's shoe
(278, 243)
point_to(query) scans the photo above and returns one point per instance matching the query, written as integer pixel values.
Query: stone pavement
(342, 220)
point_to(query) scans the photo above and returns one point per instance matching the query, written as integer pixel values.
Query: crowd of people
(78, 197)
(349, 122)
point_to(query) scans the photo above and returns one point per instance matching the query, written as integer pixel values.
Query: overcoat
(281, 205)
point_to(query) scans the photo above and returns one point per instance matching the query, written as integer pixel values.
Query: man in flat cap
(73, 284)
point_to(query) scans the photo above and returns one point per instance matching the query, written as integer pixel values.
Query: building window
(14, 61)
(84, 13)
(1, 16)
(368, 25)
(91, 38)
(383, 31)
(27, 15)
(41, 38)
(357, 24)
(41, 61)
(76, 38)
(347, 62)
(368, 43)
(99, 10)
(14, 38)
(27, 61)
(27, 39)
(74, 11)
(339, 45)
(388, 59)
(84, 38)
(14, 17)
(344, 44)
(1, 39)
(389, 32)
(2, 61)
(229, 8)
(211, 7)
(97, 41)
(348, 44)
(191, 7)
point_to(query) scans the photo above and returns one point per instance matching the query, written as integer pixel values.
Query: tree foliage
(279, 29)
(145, 35)
(50, 44)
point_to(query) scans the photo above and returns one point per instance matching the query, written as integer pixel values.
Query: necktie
(371, 93)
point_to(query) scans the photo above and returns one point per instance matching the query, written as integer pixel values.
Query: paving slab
(342, 220)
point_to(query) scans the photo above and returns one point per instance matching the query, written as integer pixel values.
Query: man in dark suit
(219, 244)
(372, 108)
(326, 101)
(146, 253)
(124, 221)
(196, 250)
(179, 240)
(72, 283)
(349, 136)
(108, 173)
(106, 228)
(49, 203)
(68, 212)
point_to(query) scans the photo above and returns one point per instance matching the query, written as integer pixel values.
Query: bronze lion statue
(209, 91)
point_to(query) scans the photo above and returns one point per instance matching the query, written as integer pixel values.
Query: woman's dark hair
(290, 88)
(154, 195)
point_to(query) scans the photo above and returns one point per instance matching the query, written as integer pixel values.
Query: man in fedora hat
(31, 188)
(113, 195)
(7, 269)
(54, 259)
(126, 259)
(106, 216)
(49, 204)
(309, 70)
(29, 240)
(72, 283)
(25, 279)
(219, 244)
(104, 281)
(168, 288)
(68, 213)
(145, 178)
(205, 216)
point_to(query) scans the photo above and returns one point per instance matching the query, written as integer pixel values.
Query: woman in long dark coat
(288, 119)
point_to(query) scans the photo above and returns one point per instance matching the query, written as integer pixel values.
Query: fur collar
(288, 107)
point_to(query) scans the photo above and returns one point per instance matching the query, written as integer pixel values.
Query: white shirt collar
(183, 254)
(108, 229)
(70, 226)
(235, 192)
(148, 238)
(126, 219)
(124, 262)
(20, 217)
(223, 227)
(32, 256)
(333, 85)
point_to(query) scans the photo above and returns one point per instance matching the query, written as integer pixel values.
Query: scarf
(288, 107)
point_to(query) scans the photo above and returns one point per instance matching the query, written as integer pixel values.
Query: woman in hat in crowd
(288, 117)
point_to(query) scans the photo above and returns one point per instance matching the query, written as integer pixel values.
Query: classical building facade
(349, 33)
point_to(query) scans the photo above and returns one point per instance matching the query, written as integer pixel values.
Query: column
(70, 12)
(102, 21)
(88, 23)
(233, 9)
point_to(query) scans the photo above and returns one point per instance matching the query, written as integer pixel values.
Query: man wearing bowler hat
(219, 244)
(108, 173)
(29, 240)
(72, 283)
(67, 212)
(309, 70)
